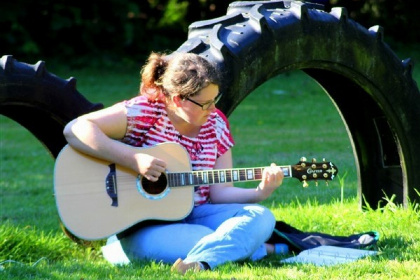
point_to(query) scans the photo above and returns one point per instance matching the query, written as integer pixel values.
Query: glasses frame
(207, 105)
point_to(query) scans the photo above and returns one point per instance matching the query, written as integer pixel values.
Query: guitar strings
(125, 182)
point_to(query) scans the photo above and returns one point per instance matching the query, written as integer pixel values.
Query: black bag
(298, 240)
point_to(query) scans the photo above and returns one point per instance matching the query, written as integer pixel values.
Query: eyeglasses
(206, 105)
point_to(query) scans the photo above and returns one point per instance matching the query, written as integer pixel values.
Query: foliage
(106, 29)
(77, 31)
(398, 17)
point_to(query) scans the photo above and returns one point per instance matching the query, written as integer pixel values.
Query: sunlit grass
(286, 118)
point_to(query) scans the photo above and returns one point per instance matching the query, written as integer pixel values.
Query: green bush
(78, 31)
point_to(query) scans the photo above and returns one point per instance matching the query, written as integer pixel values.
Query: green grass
(286, 118)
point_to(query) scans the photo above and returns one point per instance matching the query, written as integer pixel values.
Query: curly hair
(182, 74)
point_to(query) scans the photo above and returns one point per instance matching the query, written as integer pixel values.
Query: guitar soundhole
(155, 188)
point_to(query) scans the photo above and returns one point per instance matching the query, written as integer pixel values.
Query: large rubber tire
(40, 101)
(372, 89)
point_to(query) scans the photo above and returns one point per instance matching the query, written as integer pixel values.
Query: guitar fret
(175, 180)
(170, 179)
(258, 173)
(211, 177)
(228, 175)
(183, 179)
(222, 176)
(205, 177)
(242, 175)
(235, 175)
(286, 171)
(216, 177)
(249, 174)
(199, 177)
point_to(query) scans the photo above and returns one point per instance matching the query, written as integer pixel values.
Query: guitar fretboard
(209, 177)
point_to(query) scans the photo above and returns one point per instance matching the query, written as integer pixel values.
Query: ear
(177, 100)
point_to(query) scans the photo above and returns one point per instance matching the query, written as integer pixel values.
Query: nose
(212, 107)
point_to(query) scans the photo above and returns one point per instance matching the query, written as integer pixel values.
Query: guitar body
(86, 206)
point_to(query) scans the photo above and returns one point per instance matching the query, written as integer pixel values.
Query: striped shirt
(148, 124)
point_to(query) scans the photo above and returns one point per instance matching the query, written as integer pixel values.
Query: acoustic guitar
(96, 198)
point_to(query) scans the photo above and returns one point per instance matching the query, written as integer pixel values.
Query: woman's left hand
(272, 178)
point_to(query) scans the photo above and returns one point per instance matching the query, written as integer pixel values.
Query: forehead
(208, 93)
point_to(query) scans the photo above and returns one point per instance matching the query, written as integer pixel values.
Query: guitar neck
(209, 177)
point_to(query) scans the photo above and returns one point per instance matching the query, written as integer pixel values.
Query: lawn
(279, 122)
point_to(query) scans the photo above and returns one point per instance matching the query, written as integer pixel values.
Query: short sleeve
(223, 133)
(141, 117)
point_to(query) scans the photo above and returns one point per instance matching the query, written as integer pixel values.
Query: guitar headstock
(306, 171)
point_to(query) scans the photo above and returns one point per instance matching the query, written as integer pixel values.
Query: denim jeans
(212, 233)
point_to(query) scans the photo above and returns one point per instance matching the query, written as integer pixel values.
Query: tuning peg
(316, 183)
(326, 183)
(313, 160)
(303, 159)
(305, 184)
(323, 159)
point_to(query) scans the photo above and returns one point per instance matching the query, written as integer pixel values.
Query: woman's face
(196, 109)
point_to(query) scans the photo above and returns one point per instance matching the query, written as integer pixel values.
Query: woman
(177, 102)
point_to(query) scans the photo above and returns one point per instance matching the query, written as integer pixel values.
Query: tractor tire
(372, 89)
(40, 101)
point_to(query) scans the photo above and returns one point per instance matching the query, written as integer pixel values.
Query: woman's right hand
(149, 166)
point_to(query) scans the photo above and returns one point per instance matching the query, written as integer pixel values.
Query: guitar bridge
(111, 185)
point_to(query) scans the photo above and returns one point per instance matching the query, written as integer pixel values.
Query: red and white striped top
(148, 124)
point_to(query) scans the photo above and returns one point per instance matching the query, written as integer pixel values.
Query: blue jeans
(212, 233)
